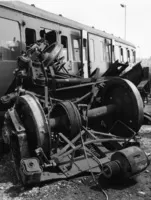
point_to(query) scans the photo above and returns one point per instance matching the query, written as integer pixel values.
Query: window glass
(134, 56)
(107, 53)
(84, 49)
(101, 51)
(109, 49)
(117, 53)
(131, 56)
(76, 44)
(122, 55)
(48, 34)
(113, 53)
(128, 55)
(9, 39)
(92, 53)
(125, 55)
(76, 50)
(30, 35)
(64, 42)
(51, 37)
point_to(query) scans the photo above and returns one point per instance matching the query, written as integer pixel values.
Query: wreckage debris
(60, 125)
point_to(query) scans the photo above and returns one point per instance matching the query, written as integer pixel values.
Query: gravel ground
(81, 188)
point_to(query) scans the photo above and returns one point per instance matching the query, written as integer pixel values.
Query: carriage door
(71, 41)
(97, 54)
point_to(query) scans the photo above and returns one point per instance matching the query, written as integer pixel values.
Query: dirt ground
(82, 188)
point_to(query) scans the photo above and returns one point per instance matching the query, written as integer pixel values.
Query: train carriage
(84, 48)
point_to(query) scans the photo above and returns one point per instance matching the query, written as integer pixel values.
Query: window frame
(85, 49)
(92, 50)
(102, 51)
(35, 37)
(79, 48)
(67, 44)
(19, 40)
(125, 58)
(108, 52)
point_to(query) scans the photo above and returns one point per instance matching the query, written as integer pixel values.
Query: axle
(92, 113)
(101, 111)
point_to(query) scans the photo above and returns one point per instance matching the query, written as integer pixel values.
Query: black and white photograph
(75, 100)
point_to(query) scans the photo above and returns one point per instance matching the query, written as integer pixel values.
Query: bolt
(31, 164)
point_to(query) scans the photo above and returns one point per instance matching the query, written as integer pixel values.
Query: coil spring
(94, 151)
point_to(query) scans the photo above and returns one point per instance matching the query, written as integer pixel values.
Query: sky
(109, 16)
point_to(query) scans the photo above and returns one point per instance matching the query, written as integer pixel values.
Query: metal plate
(34, 121)
(51, 53)
(71, 120)
(129, 104)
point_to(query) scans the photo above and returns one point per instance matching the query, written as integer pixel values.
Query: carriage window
(117, 53)
(113, 54)
(30, 35)
(107, 53)
(84, 49)
(107, 50)
(128, 55)
(101, 46)
(51, 37)
(122, 56)
(125, 55)
(9, 40)
(92, 53)
(134, 56)
(131, 56)
(109, 47)
(76, 50)
(48, 34)
(64, 42)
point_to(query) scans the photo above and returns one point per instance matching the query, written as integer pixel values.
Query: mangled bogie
(67, 134)
(61, 125)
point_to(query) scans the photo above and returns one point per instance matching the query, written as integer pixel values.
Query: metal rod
(87, 157)
(83, 97)
(90, 142)
(68, 145)
(68, 141)
(82, 85)
(89, 132)
(104, 134)
(93, 113)
(104, 140)
(101, 111)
